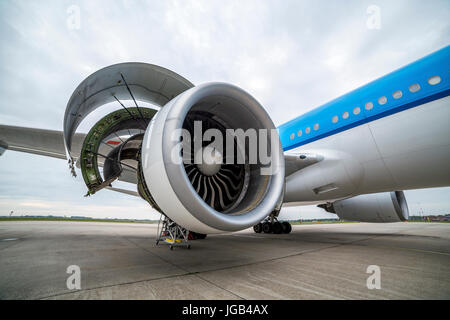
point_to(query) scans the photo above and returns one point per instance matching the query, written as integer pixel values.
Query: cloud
(37, 204)
(292, 56)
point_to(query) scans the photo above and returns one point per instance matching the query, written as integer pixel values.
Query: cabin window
(382, 100)
(316, 126)
(434, 80)
(397, 94)
(292, 136)
(335, 119)
(357, 110)
(308, 130)
(299, 133)
(345, 115)
(414, 87)
(369, 105)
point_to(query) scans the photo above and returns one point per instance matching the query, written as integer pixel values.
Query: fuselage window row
(434, 80)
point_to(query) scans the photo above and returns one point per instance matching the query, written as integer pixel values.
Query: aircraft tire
(267, 227)
(277, 228)
(287, 228)
(257, 228)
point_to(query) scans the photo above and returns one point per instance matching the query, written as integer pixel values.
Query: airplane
(352, 156)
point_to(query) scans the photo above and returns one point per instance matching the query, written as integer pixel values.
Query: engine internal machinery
(119, 136)
(209, 158)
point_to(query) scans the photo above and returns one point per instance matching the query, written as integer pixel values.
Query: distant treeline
(72, 218)
(430, 218)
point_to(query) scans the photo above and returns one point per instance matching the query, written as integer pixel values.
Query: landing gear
(257, 228)
(287, 228)
(272, 225)
(277, 228)
(267, 227)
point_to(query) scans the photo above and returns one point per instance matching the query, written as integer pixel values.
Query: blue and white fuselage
(391, 134)
(352, 156)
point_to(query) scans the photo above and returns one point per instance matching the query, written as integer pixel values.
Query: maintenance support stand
(172, 234)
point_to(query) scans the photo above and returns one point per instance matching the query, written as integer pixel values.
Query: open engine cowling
(375, 207)
(212, 196)
(207, 197)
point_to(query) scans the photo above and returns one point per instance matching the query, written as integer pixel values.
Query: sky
(292, 56)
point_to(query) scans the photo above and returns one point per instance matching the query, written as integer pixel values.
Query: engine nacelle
(229, 189)
(203, 189)
(375, 207)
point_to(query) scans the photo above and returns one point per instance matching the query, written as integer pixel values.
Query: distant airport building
(439, 218)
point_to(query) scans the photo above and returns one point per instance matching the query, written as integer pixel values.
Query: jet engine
(375, 207)
(210, 158)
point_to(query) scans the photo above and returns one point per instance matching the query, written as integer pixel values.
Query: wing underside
(50, 143)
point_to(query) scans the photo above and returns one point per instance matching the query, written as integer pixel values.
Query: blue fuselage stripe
(373, 118)
(293, 134)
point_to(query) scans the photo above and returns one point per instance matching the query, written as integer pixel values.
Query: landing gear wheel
(277, 228)
(287, 228)
(258, 227)
(267, 227)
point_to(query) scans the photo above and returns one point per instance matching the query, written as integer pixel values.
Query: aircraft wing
(42, 142)
(48, 143)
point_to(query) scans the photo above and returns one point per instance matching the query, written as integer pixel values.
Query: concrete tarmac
(324, 261)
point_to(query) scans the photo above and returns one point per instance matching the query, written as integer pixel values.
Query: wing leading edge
(42, 142)
(49, 143)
